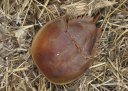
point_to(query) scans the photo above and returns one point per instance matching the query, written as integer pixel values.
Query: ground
(21, 19)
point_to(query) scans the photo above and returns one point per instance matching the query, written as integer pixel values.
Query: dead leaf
(83, 7)
(103, 4)
(21, 34)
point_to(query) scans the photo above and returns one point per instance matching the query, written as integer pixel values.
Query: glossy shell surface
(61, 49)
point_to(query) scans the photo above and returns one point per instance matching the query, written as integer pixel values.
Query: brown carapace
(62, 48)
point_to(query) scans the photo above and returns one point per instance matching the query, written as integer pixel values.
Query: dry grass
(19, 22)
